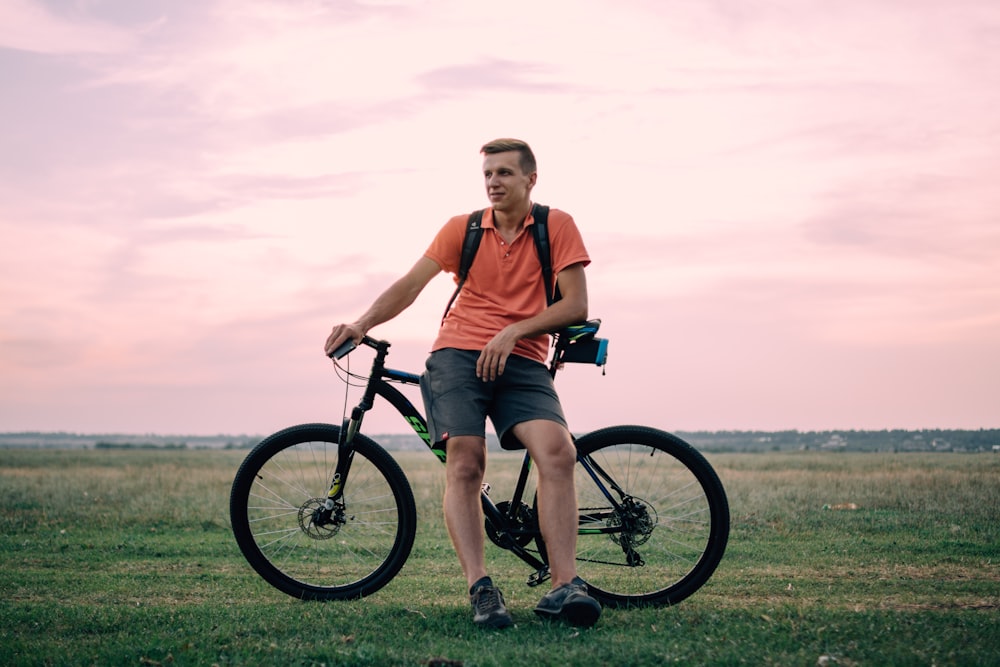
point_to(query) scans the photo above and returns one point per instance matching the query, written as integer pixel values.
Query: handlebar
(342, 351)
(349, 346)
(575, 343)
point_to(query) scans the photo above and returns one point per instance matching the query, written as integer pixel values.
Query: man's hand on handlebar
(341, 334)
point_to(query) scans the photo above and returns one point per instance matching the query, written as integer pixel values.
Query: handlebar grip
(342, 351)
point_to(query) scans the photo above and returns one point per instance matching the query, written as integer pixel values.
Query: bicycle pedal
(539, 577)
(487, 488)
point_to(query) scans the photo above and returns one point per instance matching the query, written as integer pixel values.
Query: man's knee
(466, 462)
(549, 444)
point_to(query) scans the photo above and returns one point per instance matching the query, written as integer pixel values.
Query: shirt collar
(487, 222)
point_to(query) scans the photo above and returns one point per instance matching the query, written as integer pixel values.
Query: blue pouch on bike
(578, 344)
(589, 351)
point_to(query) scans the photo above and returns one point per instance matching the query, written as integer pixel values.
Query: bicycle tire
(679, 525)
(284, 478)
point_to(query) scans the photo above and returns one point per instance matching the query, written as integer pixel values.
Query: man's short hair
(527, 159)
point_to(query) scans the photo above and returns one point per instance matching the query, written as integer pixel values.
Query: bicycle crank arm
(527, 557)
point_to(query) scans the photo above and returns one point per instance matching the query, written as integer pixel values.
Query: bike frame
(508, 531)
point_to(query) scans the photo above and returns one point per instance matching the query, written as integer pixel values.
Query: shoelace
(487, 598)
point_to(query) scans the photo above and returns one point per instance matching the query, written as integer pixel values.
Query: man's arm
(571, 308)
(390, 303)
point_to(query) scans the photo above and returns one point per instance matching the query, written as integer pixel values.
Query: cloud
(31, 26)
(191, 204)
(924, 213)
(495, 74)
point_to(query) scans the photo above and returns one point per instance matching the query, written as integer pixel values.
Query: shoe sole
(496, 623)
(582, 613)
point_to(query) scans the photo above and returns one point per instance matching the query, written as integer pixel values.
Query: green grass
(126, 558)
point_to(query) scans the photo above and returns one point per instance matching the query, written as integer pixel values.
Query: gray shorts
(457, 402)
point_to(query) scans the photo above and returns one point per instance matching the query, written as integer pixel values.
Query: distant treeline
(139, 445)
(43, 440)
(927, 440)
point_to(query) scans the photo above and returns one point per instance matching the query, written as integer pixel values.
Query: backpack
(540, 232)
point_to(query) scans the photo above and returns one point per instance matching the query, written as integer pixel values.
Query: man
(489, 360)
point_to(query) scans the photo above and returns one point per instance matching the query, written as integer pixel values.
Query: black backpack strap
(540, 230)
(470, 244)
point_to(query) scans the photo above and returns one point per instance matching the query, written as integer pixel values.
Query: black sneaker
(570, 603)
(487, 605)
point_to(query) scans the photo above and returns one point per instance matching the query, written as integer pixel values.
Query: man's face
(507, 187)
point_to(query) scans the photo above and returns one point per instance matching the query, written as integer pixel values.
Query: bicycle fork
(345, 455)
(333, 510)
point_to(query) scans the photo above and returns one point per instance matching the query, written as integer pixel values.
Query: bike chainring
(523, 518)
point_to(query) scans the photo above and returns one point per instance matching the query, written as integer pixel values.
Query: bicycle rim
(670, 539)
(280, 485)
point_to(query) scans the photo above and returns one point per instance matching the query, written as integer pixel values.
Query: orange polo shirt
(504, 284)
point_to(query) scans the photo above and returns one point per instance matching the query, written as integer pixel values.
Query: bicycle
(323, 512)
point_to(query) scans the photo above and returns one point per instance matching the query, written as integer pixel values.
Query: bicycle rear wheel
(669, 531)
(276, 495)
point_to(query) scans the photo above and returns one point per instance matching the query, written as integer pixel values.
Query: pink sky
(792, 207)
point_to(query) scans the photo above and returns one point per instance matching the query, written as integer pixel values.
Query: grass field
(126, 558)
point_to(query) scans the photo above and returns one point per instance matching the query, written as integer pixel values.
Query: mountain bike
(323, 512)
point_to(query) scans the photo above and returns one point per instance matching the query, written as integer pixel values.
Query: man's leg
(465, 468)
(456, 402)
(554, 455)
(464, 516)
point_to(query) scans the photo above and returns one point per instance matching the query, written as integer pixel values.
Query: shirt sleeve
(446, 248)
(566, 241)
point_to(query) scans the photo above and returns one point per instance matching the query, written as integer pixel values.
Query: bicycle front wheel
(666, 530)
(276, 504)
